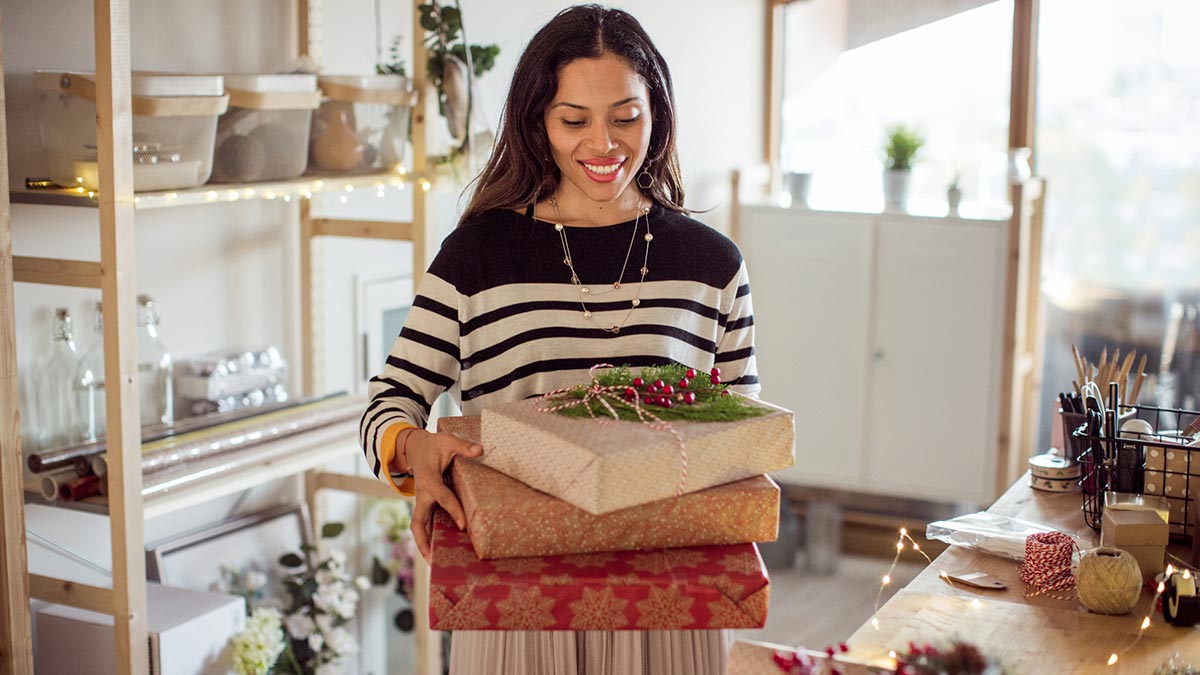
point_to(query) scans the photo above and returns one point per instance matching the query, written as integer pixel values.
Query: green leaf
(308, 548)
(452, 20)
(290, 560)
(379, 573)
(331, 530)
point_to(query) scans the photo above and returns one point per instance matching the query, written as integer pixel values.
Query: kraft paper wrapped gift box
(602, 466)
(704, 587)
(508, 519)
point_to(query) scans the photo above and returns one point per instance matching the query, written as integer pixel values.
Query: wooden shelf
(303, 187)
(286, 457)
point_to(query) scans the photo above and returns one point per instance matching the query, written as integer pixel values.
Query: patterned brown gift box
(508, 519)
(602, 466)
(703, 587)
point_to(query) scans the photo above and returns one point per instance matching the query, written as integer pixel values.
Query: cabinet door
(809, 273)
(936, 342)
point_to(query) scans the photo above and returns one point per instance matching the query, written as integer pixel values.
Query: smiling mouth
(603, 169)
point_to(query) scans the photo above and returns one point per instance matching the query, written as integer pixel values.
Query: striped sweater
(497, 319)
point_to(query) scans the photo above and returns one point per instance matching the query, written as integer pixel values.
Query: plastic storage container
(174, 124)
(264, 134)
(362, 125)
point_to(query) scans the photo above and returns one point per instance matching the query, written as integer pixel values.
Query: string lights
(303, 188)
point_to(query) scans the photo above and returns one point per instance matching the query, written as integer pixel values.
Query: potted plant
(954, 194)
(900, 148)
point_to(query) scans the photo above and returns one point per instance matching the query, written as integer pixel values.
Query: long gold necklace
(586, 291)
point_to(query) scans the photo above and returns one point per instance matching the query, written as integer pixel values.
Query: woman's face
(598, 124)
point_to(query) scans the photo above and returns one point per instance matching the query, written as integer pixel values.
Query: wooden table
(1030, 635)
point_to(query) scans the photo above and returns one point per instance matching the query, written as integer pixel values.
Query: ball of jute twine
(1109, 581)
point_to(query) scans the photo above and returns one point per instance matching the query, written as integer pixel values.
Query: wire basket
(1159, 464)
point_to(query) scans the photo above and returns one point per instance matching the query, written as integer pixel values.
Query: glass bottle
(58, 418)
(89, 383)
(154, 368)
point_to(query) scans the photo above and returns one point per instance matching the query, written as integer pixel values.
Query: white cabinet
(882, 333)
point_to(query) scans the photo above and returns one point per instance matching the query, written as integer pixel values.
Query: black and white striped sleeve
(735, 348)
(423, 363)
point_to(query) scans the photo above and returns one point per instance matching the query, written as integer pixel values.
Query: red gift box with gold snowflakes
(702, 587)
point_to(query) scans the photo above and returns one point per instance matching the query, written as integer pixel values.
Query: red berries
(691, 374)
(689, 398)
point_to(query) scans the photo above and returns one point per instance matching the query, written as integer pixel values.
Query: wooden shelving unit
(114, 274)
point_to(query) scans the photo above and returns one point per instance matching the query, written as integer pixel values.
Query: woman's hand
(429, 455)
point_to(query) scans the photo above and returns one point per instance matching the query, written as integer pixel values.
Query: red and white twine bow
(1047, 566)
(605, 395)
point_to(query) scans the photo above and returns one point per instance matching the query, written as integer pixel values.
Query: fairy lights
(381, 184)
(887, 578)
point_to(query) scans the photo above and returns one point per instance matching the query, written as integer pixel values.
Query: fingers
(473, 451)
(422, 524)
(448, 501)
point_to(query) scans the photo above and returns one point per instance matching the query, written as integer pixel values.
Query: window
(1118, 137)
(852, 69)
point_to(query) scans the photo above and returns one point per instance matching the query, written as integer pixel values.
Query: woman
(574, 250)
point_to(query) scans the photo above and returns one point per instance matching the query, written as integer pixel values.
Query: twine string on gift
(596, 393)
(1047, 566)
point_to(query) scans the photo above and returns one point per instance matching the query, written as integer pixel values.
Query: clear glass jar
(89, 383)
(58, 415)
(155, 368)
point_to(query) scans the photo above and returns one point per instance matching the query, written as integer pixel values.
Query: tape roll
(1054, 484)
(1053, 466)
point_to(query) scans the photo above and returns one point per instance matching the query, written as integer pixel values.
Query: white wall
(224, 275)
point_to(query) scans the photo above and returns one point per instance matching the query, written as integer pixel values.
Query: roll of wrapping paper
(216, 441)
(185, 475)
(81, 453)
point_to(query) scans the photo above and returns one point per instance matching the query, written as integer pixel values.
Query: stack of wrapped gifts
(577, 522)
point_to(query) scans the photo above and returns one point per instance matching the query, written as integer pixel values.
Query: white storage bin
(264, 134)
(174, 123)
(362, 125)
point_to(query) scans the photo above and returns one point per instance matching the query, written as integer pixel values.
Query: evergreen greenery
(712, 403)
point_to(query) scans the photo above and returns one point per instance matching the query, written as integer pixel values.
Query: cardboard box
(1124, 528)
(508, 519)
(601, 465)
(1151, 559)
(190, 633)
(697, 588)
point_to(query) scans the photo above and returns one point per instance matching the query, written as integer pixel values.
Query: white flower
(315, 642)
(324, 623)
(337, 599)
(362, 583)
(341, 642)
(300, 626)
(255, 580)
(338, 557)
(393, 517)
(256, 648)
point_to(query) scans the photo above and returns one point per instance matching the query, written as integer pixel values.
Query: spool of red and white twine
(1047, 566)
(594, 392)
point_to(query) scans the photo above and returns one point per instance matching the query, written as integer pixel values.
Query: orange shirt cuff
(387, 451)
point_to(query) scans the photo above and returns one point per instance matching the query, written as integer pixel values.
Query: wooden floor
(817, 611)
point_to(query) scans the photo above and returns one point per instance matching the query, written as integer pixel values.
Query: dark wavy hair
(521, 170)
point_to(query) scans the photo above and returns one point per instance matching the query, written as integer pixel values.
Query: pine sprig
(712, 402)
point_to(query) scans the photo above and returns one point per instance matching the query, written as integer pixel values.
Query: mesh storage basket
(174, 125)
(264, 134)
(362, 125)
(1162, 464)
